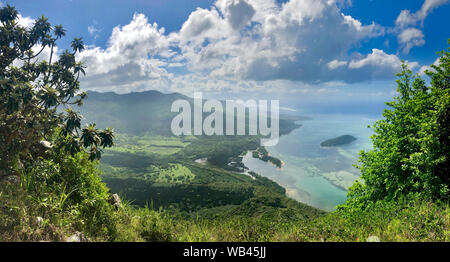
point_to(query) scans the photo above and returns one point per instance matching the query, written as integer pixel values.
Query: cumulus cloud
(26, 22)
(409, 36)
(202, 24)
(242, 45)
(237, 12)
(128, 62)
(291, 41)
(380, 63)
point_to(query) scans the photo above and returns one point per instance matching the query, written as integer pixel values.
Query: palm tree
(59, 31)
(79, 68)
(77, 45)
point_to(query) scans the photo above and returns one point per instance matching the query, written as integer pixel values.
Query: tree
(411, 150)
(36, 95)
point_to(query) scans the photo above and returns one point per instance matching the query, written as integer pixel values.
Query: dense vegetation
(150, 167)
(174, 180)
(262, 154)
(51, 186)
(46, 158)
(411, 151)
(338, 141)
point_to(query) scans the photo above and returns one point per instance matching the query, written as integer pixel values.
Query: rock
(77, 237)
(39, 221)
(115, 201)
(19, 164)
(46, 144)
(41, 149)
(373, 239)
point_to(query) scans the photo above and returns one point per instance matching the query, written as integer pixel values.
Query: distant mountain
(133, 113)
(338, 141)
(147, 112)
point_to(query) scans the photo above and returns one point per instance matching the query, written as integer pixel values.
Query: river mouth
(313, 174)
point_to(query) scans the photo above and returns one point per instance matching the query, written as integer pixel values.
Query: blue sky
(296, 49)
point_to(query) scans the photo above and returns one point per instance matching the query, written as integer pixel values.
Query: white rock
(115, 201)
(77, 237)
(46, 144)
(39, 221)
(373, 239)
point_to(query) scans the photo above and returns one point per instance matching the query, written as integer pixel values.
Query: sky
(326, 51)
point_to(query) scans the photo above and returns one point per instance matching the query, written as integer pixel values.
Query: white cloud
(130, 44)
(406, 19)
(409, 38)
(376, 58)
(237, 12)
(128, 62)
(241, 45)
(336, 63)
(92, 30)
(302, 10)
(424, 68)
(378, 65)
(286, 42)
(26, 22)
(202, 24)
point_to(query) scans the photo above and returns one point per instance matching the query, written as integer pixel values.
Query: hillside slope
(151, 167)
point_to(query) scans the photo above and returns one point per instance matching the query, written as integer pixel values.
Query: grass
(418, 222)
(174, 174)
(149, 144)
(20, 209)
(58, 199)
(255, 217)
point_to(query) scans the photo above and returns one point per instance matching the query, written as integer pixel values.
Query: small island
(262, 154)
(338, 141)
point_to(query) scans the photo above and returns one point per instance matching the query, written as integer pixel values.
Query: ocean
(312, 174)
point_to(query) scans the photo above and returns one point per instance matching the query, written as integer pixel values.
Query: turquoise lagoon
(312, 174)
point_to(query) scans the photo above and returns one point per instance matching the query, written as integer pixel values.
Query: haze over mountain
(149, 112)
(135, 113)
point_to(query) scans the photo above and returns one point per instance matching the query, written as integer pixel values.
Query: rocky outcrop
(115, 201)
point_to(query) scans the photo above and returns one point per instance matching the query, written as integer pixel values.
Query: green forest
(104, 167)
